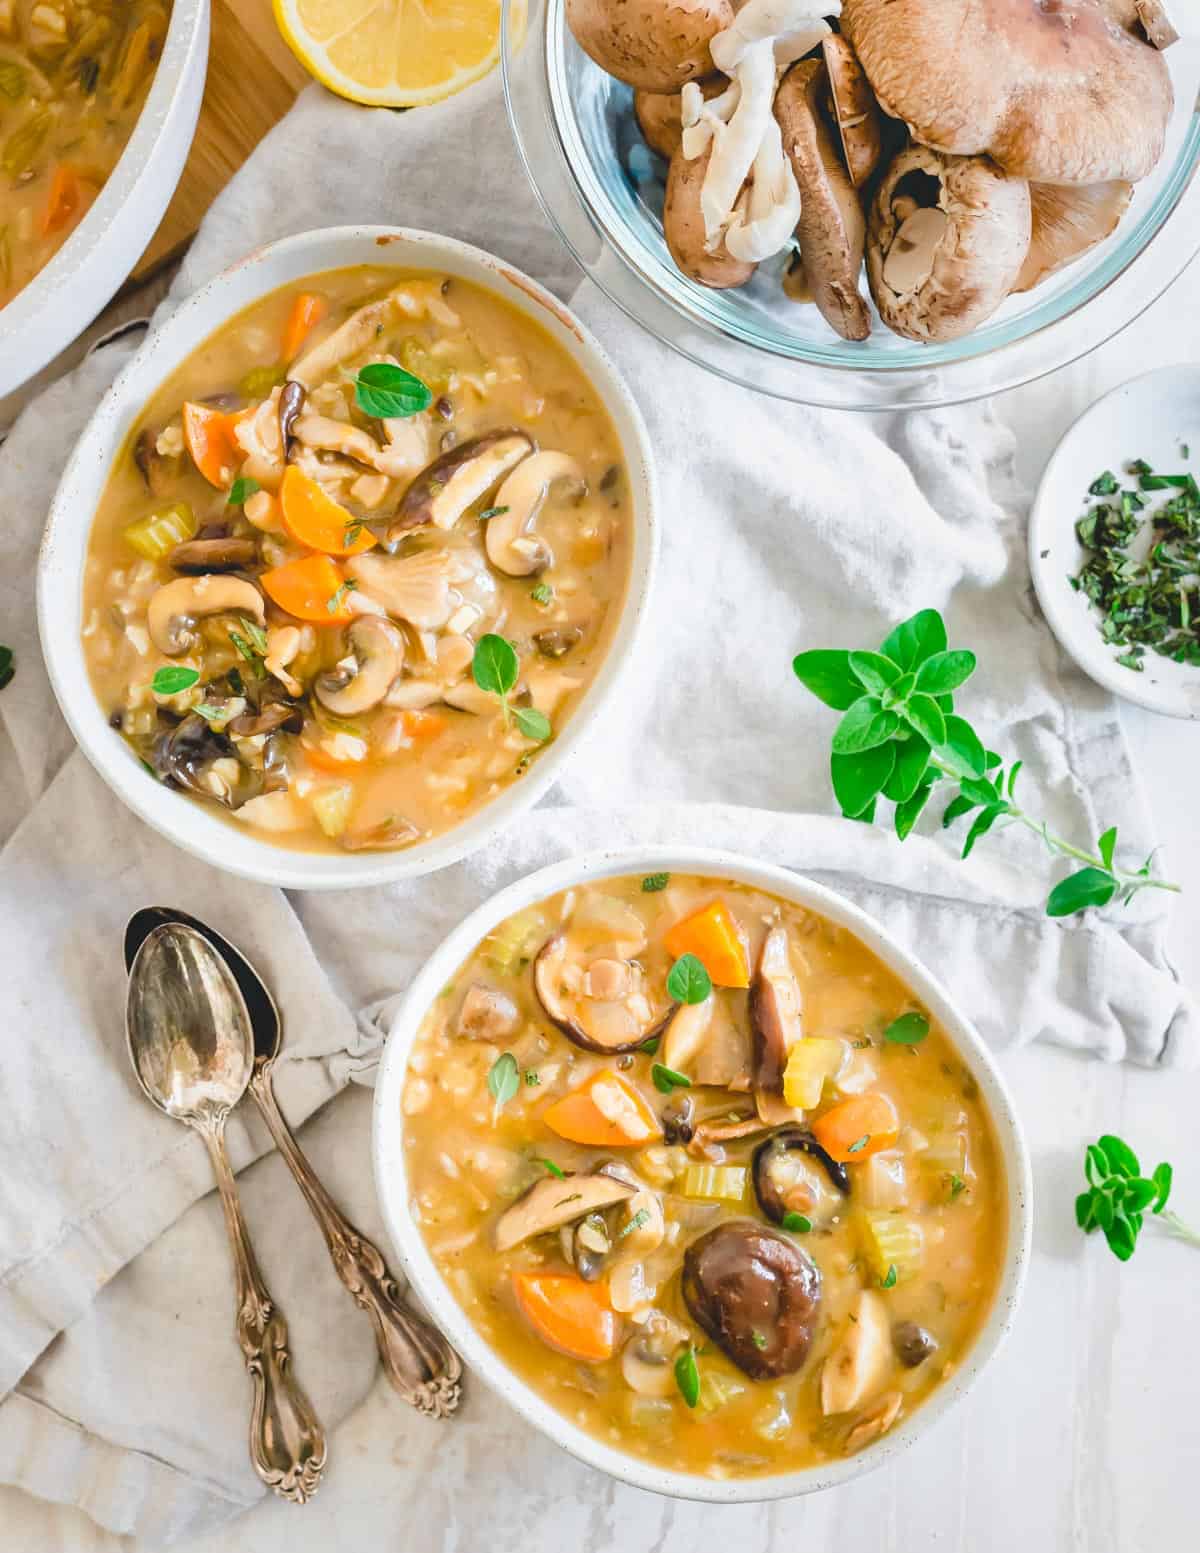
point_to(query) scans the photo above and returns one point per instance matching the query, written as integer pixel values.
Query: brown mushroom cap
(657, 45)
(444, 490)
(570, 1015)
(855, 109)
(831, 230)
(683, 228)
(659, 115)
(1068, 221)
(1057, 91)
(946, 240)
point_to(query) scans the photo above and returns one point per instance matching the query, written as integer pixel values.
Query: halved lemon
(393, 53)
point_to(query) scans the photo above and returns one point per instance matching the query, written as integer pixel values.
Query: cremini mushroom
(854, 108)
(512, 545)
(361, 680)
(831, 231)
(218, 554)
(653, 44)
(551, 1202)
(683, 228)
(174, 610)
(947, 237)
(1068, 221)
(1055, 92)
(604, 1025)
(859, 1362)
(646, 1364)
(444, 490)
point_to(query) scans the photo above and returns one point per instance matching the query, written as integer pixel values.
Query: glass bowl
(602, 189)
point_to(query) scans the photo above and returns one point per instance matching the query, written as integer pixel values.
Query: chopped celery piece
(810, 1062)
(22, 146)
(946, 1154)
(652, 1415)
(882, 1182)
(155, 535)
(892, 1241)
(259, 381)
(332, 805)
(721, 1183)
(519, 938)
(717, 1389)
(773, 1421)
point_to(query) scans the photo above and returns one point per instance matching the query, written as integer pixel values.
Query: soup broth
(73, 80)
(735, 1236)
(374, 606)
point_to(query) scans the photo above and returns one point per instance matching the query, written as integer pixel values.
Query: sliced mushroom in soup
(313, 525)
(735, 1236)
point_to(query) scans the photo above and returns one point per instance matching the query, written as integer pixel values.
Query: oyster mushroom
(831, 231)
(176, 607)
(771, 1160)
(377, 652)
(1054, 92)
(874, 1421)
(756, 1294)
(653, 44)
(855, 109)
(512, 547)
(395, 831)
(947, 238)
(683, 228)
(225, 554)
(1068, 221)
(418, 588)
(551, 1202)
(659, 114)
(860, 1360)
(601, 1025)
(444, 490)
(358, 333)
(774, 1008)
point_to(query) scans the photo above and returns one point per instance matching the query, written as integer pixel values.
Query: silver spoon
(191, 1048)
(416, 1358)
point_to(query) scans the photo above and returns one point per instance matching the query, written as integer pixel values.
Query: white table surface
(1085, 1435)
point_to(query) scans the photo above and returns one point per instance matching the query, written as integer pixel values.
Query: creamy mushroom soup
(360, 559)
(73, 79)
(703, 1172)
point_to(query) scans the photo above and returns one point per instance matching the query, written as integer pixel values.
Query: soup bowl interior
(394, 1189)
(194, 825)
(64, 297)
(603, 189)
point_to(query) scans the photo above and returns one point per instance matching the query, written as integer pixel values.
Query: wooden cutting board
(253, 79)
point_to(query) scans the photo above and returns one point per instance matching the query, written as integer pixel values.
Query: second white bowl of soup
(349, 558)
(702, 1172)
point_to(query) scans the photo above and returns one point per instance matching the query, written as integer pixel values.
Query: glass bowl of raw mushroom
(867, 204)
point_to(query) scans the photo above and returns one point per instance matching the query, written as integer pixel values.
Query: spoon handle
(417, 1359)
(287, 1443)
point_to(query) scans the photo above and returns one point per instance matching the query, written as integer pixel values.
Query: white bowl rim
(387, 1153)
(188, 824)
(165, 115)
(1077, 632)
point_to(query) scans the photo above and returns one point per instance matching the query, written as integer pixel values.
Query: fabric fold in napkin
(121, 1388)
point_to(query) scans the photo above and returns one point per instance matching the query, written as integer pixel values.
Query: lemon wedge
(393, 53)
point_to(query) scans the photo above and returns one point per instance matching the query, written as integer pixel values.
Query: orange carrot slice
(306, 313)
(712, 936)
(62, 201)
(568, 1314)
(605, 1112)
(858, 1127)
(310, 589)
(313, 518)
(422, 724)
(210, 440)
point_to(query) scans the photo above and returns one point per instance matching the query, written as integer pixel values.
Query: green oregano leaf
(923, 714)
(1107, 845)
(688, 981)
(495, 665)
(873, 671)
(916, 639)
(532, 723)
(173, 678)
(687, 1376)
(827, 674)
(858, 778)
(503, 1080)
(945, 671)
(1078, 891)
(908, 1030)
(388, 392)
(863, 726)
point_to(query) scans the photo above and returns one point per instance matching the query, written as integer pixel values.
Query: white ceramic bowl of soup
(393, 1185)
(64, 297)
(181, 819)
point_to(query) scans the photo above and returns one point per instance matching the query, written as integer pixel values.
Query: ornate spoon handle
(417, 1359)
(287, 1443)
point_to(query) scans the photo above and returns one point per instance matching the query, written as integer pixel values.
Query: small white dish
(192, 825)
(62, 299)
(391, 1177)
(1153, 418)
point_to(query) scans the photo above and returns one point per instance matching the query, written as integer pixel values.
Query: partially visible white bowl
(391, 1175)
(1152, 417)
(62, 299)
(195, 826)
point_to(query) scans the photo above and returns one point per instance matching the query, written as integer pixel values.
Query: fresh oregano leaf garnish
(548, 1164)
(172, 678)
(687, 1376)
(889, 1281)
(338, 597)
(652, 883)
(503, 1081)
(899, 737)
(797, 1223)
(531, 723)
(495, 668)
(688, 981)
(240, 492)
(909, 1030)
(1119, 1197)
(389, 392)
(666, 1079)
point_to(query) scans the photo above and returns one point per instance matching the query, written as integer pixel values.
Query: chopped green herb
(338, 597)
(651, 1046)
(909, 1030)
(211, 713)
(548, 1164)
(859, 1144)
(687, 1376)
(503, 1081)
(7, 666)
(543, 593)
(666, 1079)
(890, 1281)
(532, 1078)
(652, 883)
(241, 490)
(758, 1339)
(255, 635)
(957, 1185)
(388, 392)
(352, 533)
(173, 678)
(642, 1216)
(797, 1223)
(688, 981)
(492, 512)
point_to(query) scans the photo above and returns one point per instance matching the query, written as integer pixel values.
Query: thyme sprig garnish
(900, 737)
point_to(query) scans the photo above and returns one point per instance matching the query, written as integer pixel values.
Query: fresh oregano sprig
(495, 668)
(900, 737)
(1119, 1196)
